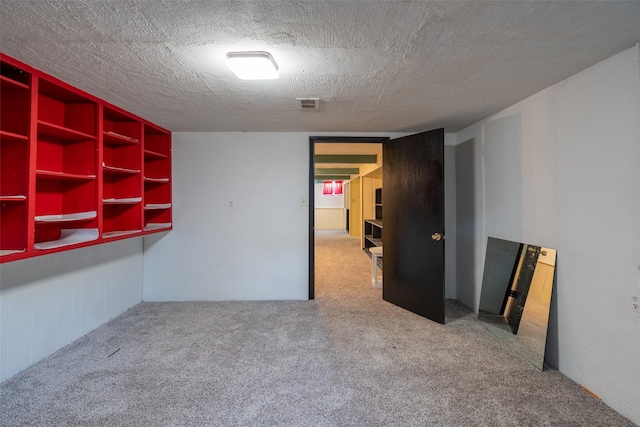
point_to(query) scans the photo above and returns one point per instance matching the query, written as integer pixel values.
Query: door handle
(437, 237)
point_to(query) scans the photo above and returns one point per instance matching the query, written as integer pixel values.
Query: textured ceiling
(376, 65)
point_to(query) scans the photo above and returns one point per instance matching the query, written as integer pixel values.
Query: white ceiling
(376, 65)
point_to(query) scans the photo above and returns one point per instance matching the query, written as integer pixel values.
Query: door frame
(312, 142)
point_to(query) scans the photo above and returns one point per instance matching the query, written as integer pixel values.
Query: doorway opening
(334, 159)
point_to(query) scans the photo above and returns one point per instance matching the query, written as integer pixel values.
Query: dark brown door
(413, 212)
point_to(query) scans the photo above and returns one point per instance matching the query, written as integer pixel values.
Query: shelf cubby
(157, 143)
(157, 216)
(122, 186)
(14, 76)
(72, 157)
(372, 233)
(62, 196)
(120, 161)
(373, 227)
(157, 179)
(13, 217)
(14, 102)
(63, 113)
(14, 166)
(157, 193)
(63, 204)
(121, 219)
(378, 203)
(120, 128)
(15, 111)
(121, 141)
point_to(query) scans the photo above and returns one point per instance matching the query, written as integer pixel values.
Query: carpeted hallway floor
(346, 358)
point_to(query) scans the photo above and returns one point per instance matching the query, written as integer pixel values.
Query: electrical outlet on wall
(635, 301)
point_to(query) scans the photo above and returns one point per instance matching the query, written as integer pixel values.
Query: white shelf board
(4, 252)
(16, 197)
(66, 217)
(123, 200)
(64, 175)
(162, 180)
(70, 237)
(150, 206)
(156, 226)
(111, 234)
(117, 169)
(121, 136)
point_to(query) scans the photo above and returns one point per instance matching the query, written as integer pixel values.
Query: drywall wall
(327, 200)
(49, 301)
(450, 263)
(562, 169)
(258, 250)
(329, 212)
(255, 250)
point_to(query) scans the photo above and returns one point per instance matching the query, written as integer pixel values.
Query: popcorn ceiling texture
(375, 65)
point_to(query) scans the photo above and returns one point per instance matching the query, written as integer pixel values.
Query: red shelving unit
(121, 175)
(157, 179)
(66, 164)
(15, 113)
(74, 169)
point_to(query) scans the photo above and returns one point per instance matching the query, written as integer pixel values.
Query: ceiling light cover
(253, 65)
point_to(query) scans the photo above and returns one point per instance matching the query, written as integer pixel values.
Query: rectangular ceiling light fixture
(253, 65)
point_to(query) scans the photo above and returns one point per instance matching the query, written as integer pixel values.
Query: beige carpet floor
(346, 358)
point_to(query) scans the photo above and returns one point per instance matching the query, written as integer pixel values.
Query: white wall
(562, 169)
(327, 200)
(49, 301)
(256, 251)
(329, 211)
(450, 261)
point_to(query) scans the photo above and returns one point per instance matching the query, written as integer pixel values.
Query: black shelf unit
(378, 203)
(373, 227)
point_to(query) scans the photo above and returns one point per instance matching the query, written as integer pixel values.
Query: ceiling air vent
(308, 103)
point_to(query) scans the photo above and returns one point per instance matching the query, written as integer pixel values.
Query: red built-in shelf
(61, 132)
(155, 155)
(117, 139)
(9, 136)
(75, 170)
(63, 175)
(8, 84)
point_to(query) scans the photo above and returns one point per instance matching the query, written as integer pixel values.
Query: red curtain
(327, 188)
(337, 187)
(332, 187)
